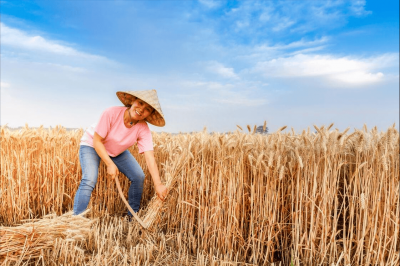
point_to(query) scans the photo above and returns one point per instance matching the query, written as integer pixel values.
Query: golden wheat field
(321, 197)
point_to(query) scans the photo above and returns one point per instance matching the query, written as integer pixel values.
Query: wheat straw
(30, 239)
(241, 199)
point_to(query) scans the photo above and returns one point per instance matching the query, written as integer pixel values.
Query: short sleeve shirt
(117, 137)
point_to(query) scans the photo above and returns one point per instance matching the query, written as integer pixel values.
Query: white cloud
(210, 3)
(256, 18)
(358, 8)
(50, 94)
(303, 43)
(348, 70)
(307, 50)
(266, 14)
(219, 69)
(207, 85)
(266, 51)
(283, 24)
(358, 77)
(4, 85)
(244, 93)
(296, 44)
(18, 39)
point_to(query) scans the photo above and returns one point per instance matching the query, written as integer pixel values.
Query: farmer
(119, 128)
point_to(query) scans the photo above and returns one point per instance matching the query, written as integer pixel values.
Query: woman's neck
(128, 118)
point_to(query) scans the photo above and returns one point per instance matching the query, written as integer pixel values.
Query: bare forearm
(152, 166)
(161, 190)
(153, 169)
(101, 151)
(98, 145)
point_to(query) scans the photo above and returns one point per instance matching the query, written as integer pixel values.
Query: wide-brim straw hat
(148, 96)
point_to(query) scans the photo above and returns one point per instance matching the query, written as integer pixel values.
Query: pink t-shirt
(117, 137)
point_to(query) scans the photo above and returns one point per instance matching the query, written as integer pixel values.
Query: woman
(108, 140)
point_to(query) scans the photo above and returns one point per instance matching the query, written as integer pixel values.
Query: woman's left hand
(161, 191)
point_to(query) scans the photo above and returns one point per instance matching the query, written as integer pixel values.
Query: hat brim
(156, 118)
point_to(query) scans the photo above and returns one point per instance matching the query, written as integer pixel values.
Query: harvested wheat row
(31, 239)
(328, 197)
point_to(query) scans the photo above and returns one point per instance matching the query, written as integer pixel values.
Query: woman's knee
(138, 177)
(89, 176)
(88, 183)
(90, 167)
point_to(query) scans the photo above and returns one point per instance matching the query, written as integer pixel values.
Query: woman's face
(140, 110)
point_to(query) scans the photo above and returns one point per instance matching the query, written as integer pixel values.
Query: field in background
(328, 198)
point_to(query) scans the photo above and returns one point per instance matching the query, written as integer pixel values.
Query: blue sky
(213, 63)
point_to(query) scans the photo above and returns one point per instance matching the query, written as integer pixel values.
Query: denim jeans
(126, 164)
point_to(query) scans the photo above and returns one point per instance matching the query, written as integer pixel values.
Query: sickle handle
(127, 204)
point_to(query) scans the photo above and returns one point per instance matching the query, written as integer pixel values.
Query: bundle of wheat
(29, 240)
(156, 204)
(171, 177)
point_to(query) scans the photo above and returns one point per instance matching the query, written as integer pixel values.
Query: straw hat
(148, 96)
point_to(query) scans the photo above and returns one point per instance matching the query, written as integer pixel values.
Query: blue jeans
(126, 164)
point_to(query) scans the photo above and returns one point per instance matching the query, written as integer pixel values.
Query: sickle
(127, 204)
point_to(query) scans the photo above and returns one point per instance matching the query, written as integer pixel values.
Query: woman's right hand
(112, 170)
(98, 145)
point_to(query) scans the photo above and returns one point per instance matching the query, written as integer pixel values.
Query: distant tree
(261, 131)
